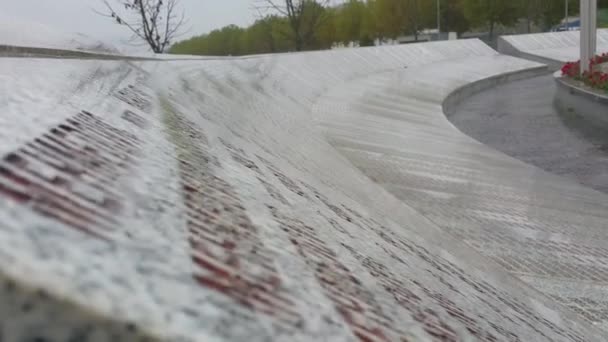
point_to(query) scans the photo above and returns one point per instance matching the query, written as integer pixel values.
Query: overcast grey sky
(78, 16)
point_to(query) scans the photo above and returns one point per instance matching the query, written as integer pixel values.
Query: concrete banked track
(313, 196)
(553, 48)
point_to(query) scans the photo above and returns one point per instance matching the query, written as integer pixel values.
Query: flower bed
(595, 78)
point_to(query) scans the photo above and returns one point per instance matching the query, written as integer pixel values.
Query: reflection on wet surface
(520, 120)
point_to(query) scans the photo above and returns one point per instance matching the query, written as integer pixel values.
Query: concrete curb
(457, 96)
(589, 105)
(12, 51)
(39, 52)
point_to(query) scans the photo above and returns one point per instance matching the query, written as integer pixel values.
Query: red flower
(593, 78)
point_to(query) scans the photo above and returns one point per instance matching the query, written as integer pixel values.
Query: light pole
(438, 19)
(588, 32)
(567, 27)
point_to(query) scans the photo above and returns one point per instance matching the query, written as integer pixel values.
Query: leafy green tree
(303, 16)
(491, 12)
(369, 26)
(313, 16)
(453, 18)
(325, 33)
(258, 38)
(282, 35)
(349, 22)
(319, 27)
(421, 14)
(398, 17)
(532, 11)
(391, 17)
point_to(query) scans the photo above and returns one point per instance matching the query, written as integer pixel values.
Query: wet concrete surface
(519, 119)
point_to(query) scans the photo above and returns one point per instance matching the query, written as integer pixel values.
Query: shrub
(594, 78)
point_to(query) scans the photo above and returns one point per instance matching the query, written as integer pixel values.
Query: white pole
(588, 32)
(438, 19)
(567, 28)
(593, 27)
(584, 35)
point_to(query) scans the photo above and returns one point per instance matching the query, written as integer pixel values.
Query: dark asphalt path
(519, 119)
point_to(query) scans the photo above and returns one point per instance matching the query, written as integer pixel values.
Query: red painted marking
(134, 97)
(46, 172)
(313, 250)
(230, 256)
(354, 302)
(484, 292)
(134, 119)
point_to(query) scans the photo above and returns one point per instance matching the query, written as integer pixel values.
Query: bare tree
(303, 16)
(153, 22)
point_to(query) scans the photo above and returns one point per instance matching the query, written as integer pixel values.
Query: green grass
(602, 17)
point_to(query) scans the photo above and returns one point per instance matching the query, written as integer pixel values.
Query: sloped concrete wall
(26, 51)
(551, 48)
(257, 199)
(586, 103)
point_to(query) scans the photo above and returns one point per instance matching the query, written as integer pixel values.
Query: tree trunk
(491, 31)
(298, 42)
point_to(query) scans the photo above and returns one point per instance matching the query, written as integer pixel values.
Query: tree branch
(154, 21)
